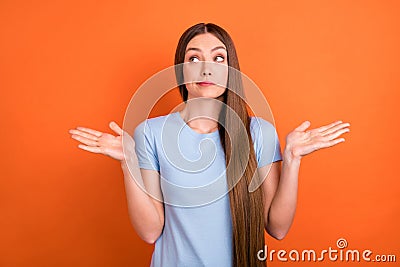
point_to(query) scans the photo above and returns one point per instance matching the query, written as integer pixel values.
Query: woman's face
(206, 67)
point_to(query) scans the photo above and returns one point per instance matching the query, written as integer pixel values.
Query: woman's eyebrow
(194, 49)
(199, 50)
(218, 47)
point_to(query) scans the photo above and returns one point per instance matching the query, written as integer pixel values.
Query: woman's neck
(201, 114)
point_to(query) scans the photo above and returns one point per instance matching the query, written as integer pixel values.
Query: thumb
(302, 127)
(114, 126)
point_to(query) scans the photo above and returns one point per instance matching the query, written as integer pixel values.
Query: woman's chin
(211, 96)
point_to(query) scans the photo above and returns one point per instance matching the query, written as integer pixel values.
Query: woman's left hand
(301, 141)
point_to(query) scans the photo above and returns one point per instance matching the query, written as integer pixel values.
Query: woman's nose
(206, 70)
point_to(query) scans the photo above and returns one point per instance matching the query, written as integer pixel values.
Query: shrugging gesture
(281, 185)
(144, 197)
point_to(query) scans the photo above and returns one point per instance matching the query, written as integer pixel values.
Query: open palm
(103, 143)
(301, 141)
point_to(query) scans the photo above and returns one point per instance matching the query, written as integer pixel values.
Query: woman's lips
(206, 83)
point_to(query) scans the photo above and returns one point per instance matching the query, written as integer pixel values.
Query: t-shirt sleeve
(266, 142)
(145, 147)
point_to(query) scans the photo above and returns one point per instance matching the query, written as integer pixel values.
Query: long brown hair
(247, 209)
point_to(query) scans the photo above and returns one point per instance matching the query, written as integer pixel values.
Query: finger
(115, 127)
(326, 127)
(83, 134)
(332, 142)
(303, 126)
(324, 144)
(335, 128)
(91, 131)
(336, 134)
(84, 140)
(94, 149)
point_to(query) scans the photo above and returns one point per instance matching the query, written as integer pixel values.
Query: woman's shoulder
(158, 119)
(157, 122)
(259, 122)
(262, 130)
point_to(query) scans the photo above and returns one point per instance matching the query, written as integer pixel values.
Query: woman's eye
(194, 59)
(219, 58)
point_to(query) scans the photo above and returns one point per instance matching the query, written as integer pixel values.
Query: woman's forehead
(204, 40)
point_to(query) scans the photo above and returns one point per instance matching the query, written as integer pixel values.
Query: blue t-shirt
(197, 226)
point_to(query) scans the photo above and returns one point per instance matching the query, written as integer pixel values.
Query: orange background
(77, 63)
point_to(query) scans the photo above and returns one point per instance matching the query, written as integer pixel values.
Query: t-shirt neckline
(193, 132)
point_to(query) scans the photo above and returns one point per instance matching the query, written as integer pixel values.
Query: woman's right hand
(103, 143)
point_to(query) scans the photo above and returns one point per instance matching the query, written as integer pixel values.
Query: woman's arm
(146, 213)
(280, 197)
(281, 183)
(145, 208)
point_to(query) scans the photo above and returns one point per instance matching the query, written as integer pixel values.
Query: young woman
(227, 230)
